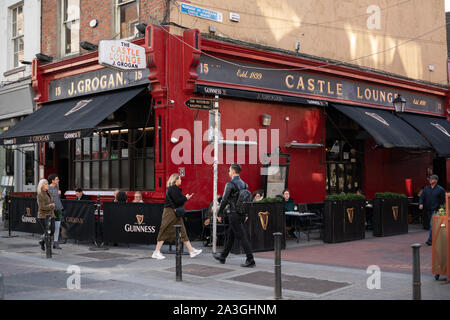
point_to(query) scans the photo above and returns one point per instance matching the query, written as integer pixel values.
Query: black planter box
(390, 216)
(344, 220)
(260, 226)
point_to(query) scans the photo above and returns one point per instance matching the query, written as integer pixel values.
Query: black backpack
(243, 197)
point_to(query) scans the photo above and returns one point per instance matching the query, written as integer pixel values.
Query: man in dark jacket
(432, 197)
(236, 229)
(80, 195)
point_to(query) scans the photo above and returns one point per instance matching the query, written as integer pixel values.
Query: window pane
(14, 22)
(115, 174)
(71, 10)
(128, 18)
(95, 146)
(149, 174)
(86, 175)
(71, 26)
(95, 175)
(139, 175)
(19, 26)
(9, 162)
(105, 147)
(78, 149)
(86, 147)
(77, 174)
(115, 152)
(29, 167)
(105, 174)
(125, 183)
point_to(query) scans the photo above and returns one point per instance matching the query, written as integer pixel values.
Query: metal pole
(48, 236)
(416, 272)
(2, 287)
(277, 244)
(8, 210)
(216, 160)
(98, 244)
(179, 245)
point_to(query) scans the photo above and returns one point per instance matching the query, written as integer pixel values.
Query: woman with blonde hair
(174, 200)
(46, 206)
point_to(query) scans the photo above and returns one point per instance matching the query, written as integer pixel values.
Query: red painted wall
(385, 170)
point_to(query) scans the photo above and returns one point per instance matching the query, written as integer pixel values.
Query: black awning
(436, 130)
(387, 129)
(68, 119)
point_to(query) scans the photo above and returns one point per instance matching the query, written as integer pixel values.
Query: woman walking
(53, 188)
(174, 199)
(46, 205)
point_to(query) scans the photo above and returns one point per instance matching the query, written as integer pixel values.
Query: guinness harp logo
(28, 212)
(140, 218)
(395, 213)
(264, 218)
(81, 104)
(350, 214)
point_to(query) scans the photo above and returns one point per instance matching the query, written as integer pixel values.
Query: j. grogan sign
(320, 86)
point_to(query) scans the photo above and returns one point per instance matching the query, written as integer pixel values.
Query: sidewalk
(321, 271)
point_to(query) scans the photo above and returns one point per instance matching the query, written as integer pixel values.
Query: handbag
(180, 211)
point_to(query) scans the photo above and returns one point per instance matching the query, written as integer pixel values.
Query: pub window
(127, 15)
(9, 161)
(17, 34)
(70, 31)
(121, 158)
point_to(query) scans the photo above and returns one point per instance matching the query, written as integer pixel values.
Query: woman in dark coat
(46, 206)
(174, 199)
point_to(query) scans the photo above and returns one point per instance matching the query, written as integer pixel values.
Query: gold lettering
(382, 96)
(80, 87)
(87, 84)
(329, 88)
(311, 85)
(119, 78)
(376, 95)
(111, 81)
(340, 89)
(103, 82)
(288, 84)
(95, 84)
(71, 90)
(300, 83)
(321, 83)
(359, 93)
(389, 97)
(367, 94)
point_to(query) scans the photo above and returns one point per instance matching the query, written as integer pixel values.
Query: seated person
(80, 195)
(121, 197)
(209, 212)
(138, 197)
(116, 192)
(289, 205)
(258, 195)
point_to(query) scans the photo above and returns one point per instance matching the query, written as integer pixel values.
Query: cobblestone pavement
(310, 271)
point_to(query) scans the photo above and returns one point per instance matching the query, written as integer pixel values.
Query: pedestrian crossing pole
(216, 160)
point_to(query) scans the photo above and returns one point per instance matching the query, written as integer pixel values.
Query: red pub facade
(312, 106)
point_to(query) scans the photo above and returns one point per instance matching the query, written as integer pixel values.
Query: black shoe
(42, 243)
(428, 243)
(56, 246)
(219, 257)
(248, 264)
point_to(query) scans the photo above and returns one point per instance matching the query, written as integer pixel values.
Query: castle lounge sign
(122, 55)
(286, 82)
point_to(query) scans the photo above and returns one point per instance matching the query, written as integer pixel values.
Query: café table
(297, 224)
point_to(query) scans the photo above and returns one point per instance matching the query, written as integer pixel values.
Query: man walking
(433, 196)
(236, 218)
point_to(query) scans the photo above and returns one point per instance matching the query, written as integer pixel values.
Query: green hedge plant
(277, 199)
(389, 195)
(347, 196)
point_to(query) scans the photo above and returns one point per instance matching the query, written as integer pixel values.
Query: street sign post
(200, 104)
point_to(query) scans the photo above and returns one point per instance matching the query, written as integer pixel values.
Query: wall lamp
(399, 104)
(43, 57)
(25, 62)
(141, 27)
(88, 46)
(266, 120)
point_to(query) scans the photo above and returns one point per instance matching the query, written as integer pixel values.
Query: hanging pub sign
(220, 77)
(122, 55)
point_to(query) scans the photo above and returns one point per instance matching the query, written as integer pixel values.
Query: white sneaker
(195, 253)
(157, 255)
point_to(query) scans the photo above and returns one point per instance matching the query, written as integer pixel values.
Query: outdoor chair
(207, 231)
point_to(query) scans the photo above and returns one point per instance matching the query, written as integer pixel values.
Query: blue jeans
(430, 237)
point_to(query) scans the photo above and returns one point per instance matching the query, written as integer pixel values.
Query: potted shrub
(390, 214)
(344, 218)
(265, 217)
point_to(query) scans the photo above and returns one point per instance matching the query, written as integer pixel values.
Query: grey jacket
(56, 198)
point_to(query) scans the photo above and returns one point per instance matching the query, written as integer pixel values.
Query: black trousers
(237, 231)
(52, 225)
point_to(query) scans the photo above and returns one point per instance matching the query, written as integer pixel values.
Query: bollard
(2, 287)
(9, 215)
(179, 245)
(416, 271)
(277, 245)
(98, 244)
(48, 236)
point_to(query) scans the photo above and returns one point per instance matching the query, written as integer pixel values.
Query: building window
(70, 34)
(122, 158)
(127, 14)
(17, 34)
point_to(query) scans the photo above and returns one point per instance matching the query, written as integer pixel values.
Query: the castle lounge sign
(289, 82)
(122, 55)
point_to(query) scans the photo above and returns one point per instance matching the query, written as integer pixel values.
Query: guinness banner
(23, 212)
(78, 219)
(132, 222)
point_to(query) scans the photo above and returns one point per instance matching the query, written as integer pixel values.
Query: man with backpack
(236, 194)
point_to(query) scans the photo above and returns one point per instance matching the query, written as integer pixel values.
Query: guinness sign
(264, 218)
